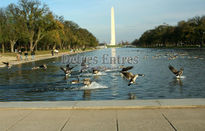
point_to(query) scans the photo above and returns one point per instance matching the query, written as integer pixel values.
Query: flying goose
(67, 70)
(132, 78)
(8, 65)
(176, 72)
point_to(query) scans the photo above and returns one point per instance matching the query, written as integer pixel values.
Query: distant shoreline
(172, 47)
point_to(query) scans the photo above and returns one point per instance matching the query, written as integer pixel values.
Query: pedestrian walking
(26, 55)
(32, 55)
(20, 55)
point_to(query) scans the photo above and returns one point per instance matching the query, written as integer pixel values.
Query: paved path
(134, 115)
(13, 60)
(103, 120)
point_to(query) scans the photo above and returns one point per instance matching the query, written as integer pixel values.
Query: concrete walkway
(13, 60)
(126, 115)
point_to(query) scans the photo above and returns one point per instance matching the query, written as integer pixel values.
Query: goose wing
(63, 69)
(127, 75)
(181, 72)
(6, 63)
(72, 67)
(172, 69)
(68, 66)
(127, 68)
(130, 82)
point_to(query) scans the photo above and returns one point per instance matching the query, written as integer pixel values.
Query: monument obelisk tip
(112, 42)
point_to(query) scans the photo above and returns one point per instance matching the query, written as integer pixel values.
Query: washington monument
(112, 42)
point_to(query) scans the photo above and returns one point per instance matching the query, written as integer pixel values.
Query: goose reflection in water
(87, 94)
(174, 84)
(131, 96)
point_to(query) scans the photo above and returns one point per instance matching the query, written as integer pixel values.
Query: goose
(44, 66)
(75, 81)
(132, 78)
(67, 70)
(95, 71)
(8, 65)
(87, 81)
(176, 72)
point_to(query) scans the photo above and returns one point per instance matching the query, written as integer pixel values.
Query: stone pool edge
(107, 104)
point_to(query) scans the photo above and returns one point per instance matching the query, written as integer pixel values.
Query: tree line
(32, 25)
(186, 33)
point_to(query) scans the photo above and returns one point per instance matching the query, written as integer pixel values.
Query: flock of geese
(173, 56)
(97, 71)
(124, 71)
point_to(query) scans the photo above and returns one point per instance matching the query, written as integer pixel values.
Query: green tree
(32, 25)
(13, 25)
(2, 29)
(38, 20)
(186, 33)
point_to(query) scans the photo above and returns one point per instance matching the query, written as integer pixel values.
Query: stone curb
(109, 104)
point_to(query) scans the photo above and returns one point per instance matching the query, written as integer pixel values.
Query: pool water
(20, 83)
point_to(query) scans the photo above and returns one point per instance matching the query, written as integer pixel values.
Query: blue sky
(132, 17)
